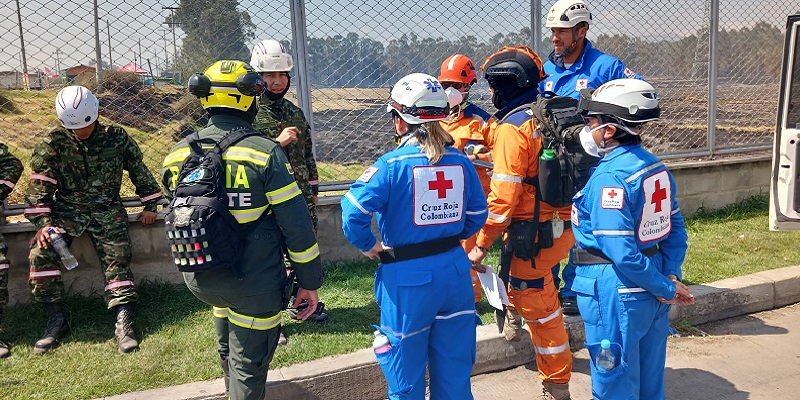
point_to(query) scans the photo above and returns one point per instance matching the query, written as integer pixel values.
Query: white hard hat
(630, 101)
(76, 107)
(271, 56)
(419, 98)
(567, 14)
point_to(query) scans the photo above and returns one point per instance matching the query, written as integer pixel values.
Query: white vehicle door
(784, 208)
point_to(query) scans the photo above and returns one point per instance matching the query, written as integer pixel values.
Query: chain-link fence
(357, 49)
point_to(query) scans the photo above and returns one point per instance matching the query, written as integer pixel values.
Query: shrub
(6, 105)
(121, 82)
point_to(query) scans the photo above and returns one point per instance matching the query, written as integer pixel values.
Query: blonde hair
(433, 139)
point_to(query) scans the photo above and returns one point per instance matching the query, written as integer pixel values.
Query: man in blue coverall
(574, 65)
(630, 243)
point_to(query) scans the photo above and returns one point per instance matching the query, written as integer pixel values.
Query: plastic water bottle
(381, 343)
(60, 245)
(605, 358)
(548, 154)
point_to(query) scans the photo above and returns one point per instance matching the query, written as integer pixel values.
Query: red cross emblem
(659, 195)
(440, 184)
(612, 194)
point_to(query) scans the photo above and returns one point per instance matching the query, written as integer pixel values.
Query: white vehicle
(784, 208)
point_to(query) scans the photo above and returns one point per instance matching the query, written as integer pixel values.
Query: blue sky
(68, 25)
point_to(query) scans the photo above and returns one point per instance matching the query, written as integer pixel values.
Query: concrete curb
(332, 378)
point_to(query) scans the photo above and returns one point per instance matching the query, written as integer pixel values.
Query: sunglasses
(454, 85)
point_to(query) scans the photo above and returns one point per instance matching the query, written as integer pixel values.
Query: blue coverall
(427, 305)
(628, 206)
(591, 70)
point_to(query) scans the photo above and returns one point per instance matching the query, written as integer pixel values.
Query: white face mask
(588, 143)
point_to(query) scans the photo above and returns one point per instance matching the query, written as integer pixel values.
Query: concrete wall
(709, 184)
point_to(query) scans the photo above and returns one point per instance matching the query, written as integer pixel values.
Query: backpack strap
(234, 136)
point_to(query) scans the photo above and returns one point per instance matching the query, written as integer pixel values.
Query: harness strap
(593, 256)
(419, 250)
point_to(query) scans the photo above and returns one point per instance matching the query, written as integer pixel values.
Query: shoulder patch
(367, 175)
(289, 168)
(630, 74)
(548, 86)
(581, 84)
(518, 118)
(612, 197)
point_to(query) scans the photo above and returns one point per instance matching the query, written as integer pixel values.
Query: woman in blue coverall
(630, 243)
(427, 198)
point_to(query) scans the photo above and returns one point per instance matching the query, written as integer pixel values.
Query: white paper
(494, 288)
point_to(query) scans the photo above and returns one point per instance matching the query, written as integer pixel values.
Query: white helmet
(630, 102)
(76, 107)
(419, 98)
(271, 56)
(567, 14)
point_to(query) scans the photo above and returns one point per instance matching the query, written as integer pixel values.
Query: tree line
(217, 30)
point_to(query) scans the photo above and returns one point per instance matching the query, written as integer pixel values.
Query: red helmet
(458, 68)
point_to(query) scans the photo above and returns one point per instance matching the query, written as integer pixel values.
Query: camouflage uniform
(275, 115)
(75, 185)
(10, 170)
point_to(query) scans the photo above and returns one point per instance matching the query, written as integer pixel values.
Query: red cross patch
(612, 197)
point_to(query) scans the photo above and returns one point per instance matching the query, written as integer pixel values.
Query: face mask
(588, 143)
(600, 150)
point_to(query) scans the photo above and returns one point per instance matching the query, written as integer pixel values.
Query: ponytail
(433, 139)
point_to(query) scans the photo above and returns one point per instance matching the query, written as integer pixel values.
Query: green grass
(177, 339)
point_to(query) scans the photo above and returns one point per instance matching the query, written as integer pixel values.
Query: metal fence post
(536, 26)
(97, 51)
(713, 28)
(300, 53)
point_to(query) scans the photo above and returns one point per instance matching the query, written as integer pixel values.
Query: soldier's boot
(226, 373)
(555, 391)
(123, 329)
(57, 328)
(4, 352)
(513, 325)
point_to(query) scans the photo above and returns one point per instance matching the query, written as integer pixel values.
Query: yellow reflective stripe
(176, 157)
(258, 324)
(220, 312)
(236, 153)
(248, 214)
(285, 193)
(305, 256)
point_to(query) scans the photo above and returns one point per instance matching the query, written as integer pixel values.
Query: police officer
(10, 171)
(465, 124)
(513, 74)
(266, 201)
(280, 119)
(631, 242)
(76, 174)
(574, 65)
(426, 197)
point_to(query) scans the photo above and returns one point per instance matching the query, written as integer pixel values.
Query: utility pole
(108, 30)
(97, 53)
(172, 24)
(138, 63)
(22, 47)
(166, 55)
(58, 66)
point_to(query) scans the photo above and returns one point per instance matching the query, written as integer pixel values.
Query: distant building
(79, 71)
(14, 80)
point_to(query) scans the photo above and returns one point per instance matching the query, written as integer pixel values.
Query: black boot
(57, 328)
(124, 329)
(226, 373)
(4, 352)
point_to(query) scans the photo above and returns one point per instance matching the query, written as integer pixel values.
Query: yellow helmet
(227, 84)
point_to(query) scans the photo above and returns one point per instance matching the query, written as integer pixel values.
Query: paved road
(754, 357)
